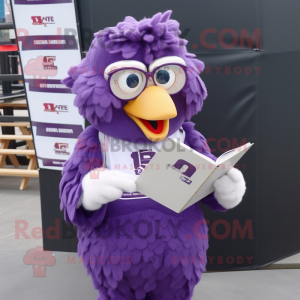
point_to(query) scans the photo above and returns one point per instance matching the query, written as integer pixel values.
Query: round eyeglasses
(129, 83)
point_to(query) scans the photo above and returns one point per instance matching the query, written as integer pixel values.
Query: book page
(227, 155)
(195, 152)
(174, 175)
(227, 162)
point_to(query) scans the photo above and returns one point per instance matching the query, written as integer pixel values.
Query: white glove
(230, 189)
(108, 187)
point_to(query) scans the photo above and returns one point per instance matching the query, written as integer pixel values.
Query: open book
(178, 176)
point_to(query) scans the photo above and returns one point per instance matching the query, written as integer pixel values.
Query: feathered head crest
(152, 38)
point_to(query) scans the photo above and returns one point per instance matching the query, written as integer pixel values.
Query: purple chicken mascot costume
(137, 86)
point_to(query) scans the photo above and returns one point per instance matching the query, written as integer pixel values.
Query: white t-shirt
(130, 157)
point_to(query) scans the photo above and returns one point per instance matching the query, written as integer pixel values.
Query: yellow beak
(151, 111)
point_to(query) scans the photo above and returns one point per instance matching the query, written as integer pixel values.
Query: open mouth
(155, 130)
(152, 111)
(154, 126)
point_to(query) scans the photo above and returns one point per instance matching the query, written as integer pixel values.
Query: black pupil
(162, 76)
(132, 81)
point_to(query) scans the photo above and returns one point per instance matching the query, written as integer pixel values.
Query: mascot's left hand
(230, 189)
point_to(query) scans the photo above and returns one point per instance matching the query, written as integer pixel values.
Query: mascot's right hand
(106, 187)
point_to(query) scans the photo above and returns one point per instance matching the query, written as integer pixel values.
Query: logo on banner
(47, 86)
(47, 42)
(69, 131)
(48, 63)
(61, 148)
(51, 107)
(49, 162)
(41, 67)
(38, 20)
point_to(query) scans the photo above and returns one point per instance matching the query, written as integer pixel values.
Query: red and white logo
(61, 148)
(41, 67)
(38, 20)
(48, 63)
(51, 107)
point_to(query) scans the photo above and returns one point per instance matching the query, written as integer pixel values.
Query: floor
(67, 278)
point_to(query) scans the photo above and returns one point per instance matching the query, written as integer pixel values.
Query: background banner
(48, 49)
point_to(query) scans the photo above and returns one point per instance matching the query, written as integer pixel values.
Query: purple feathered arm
(197, 141)
(86, 157)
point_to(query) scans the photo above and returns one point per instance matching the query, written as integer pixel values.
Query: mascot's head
(138, 82)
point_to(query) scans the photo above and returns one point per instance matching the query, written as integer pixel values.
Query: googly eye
(170, 77)
(165, 77)
(129, 82)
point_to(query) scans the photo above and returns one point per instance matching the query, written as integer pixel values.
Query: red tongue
(158, 130)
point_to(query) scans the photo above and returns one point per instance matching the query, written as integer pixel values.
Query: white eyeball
(129, 81)
(165, 77)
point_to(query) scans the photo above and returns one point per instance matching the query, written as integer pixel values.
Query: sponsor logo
(61, 148)
(41, 67)
(51, 107)
(38, 20)
(48, 63)
(48, 162)
(47, 86)
(57, 130)
(46, 42)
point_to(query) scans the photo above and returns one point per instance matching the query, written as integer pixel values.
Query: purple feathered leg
(146, 255)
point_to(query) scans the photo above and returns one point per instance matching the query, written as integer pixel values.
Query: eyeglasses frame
(147, 75)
